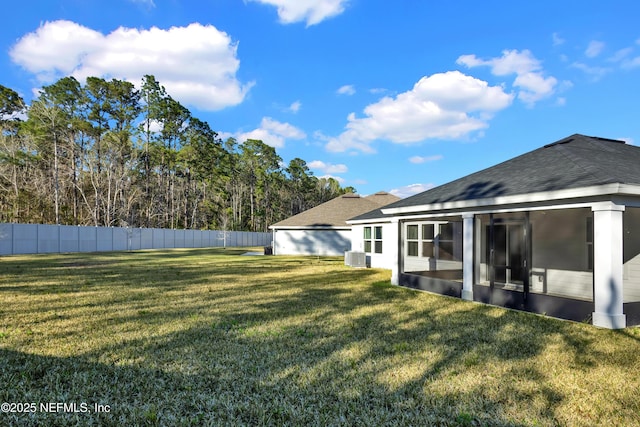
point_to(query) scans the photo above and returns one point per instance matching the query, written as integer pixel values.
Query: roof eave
(310, 227)
(571, 193)
(370, 220)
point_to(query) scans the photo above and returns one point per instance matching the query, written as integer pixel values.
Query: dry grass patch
(208, 337)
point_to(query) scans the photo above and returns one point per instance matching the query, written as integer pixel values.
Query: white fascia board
(369, 221)
(310, 227)
(544, 196)
(506, 209)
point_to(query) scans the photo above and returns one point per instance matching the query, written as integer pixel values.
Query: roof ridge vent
(578, 136)
(599, 138)
(562, 141)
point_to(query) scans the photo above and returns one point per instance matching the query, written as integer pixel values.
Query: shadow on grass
(332, 346)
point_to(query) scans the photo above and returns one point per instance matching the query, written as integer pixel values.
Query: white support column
(396, 251)
(467, 256)
(477, 248)
(607, 266)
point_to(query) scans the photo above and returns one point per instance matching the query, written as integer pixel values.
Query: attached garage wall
(312, 242)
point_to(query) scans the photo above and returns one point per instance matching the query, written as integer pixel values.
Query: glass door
(508, 261)
(508, 254)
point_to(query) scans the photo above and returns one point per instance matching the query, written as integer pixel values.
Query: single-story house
(553, 231)
(322, 230)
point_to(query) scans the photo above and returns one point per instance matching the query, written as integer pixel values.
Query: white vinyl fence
(38, 239)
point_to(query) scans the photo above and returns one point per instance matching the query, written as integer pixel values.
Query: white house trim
(480, 212)
(608, 271)
(394, 236)
(467, 256)
(545, 196)
(310, 227)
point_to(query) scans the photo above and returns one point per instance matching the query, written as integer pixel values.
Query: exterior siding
(383, 260)
(328, 242)
(565, 283)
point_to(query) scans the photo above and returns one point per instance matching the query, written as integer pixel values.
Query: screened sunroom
(553, 231)
(432, 254)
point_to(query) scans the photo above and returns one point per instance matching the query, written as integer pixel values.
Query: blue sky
(395, 96)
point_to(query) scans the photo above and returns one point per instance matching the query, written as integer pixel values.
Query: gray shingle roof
(336, 211)
(573, 162)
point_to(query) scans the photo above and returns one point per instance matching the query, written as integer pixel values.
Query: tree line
(104, 153)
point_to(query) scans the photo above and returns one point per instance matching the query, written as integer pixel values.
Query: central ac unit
(355, 259)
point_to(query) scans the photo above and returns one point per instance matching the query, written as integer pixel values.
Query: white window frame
(436, 240)
(409, 241)
(374, 241)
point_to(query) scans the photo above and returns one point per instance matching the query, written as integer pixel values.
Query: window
(412, 240)
(432, 240)
(377, 242)
(367, 239)
(445, 242)
(433, 248)
(373, 240)
(428, 247)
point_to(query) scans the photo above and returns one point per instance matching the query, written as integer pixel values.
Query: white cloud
(447, 105)
(632, 63)
(625, 58)
(410, 190)
(533, 85)
(328, 167)
(294, 107)
(511, 62)
(20, 115)
(154, 126)
(621, 55)
(627, 140)
(346, 90)
(147, 3)
(565, 85)
(320, 136)
(594, 49)
(271, 132)
(337, 178)
(424, 159)
(595, 73)
(197, 64)
(557, 40)
(311, 11)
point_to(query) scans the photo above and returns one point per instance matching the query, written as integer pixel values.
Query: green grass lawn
(208, 337)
